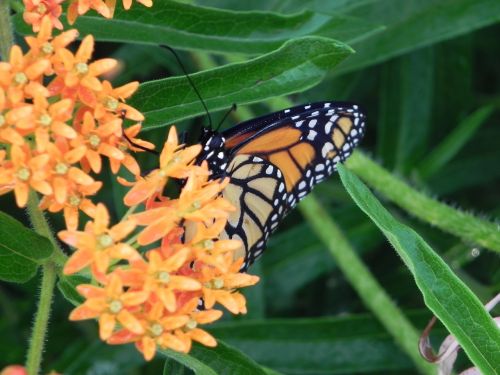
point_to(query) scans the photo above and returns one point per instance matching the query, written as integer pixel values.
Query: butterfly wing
(275, 160)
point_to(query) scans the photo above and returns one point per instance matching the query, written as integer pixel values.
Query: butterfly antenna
(190, 81)
(232, 109)
(132, 143)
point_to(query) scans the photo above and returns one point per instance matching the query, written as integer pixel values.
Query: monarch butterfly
(274, 161)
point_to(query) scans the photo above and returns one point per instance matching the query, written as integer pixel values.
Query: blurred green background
(427, 74)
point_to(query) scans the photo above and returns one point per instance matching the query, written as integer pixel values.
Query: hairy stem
(6, 31)
(461, 224)
(39, 332)
(49, 277)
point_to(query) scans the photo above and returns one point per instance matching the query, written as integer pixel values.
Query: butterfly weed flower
(58, 120)
(112, 304)
(36, 10)
(186, 260)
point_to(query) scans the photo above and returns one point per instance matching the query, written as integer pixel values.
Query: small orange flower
(22, 77)
(128, 3)
(111, 305)
(191, 331)
(44, 46)
(98, 244)
(10, 132)
(111, 100)
(206, 245)
(174, 162)
(199, 200)
(124, 146)
(76, 201)
(221, 286)
(25, 171)
(48, 121)
(159, 276)
(99, 139)
(76, 77)
(36, 10)
(158, 331)
(79, 7)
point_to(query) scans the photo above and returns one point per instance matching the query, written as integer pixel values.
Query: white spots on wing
(286, 111)
(328, 127)
(302, 185)
(312, 135)
(298, 124)
(269, 170)
(281, 187)
(307, 107)
(220, 155)
(319, 168)
(327, 147)
(334, 118)
(295, 117)
(327, 105)
(313, 123)
(346, 147)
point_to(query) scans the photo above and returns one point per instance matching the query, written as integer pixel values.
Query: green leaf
(414, 24)
(97, 357)
(21, 250)
(444, 293)
(185, 26)
(325, 345)
(452, 144)
(405, 108)
(296, 66)
(67, 285)
(220, 360)
(172, 367)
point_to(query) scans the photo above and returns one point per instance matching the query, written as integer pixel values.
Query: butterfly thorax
(213, 152)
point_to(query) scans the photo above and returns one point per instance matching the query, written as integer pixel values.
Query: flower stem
(49, 277)
(448, 219)
(39, 332)
(6, 31)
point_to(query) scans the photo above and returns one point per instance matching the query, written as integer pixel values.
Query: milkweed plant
(68, 131)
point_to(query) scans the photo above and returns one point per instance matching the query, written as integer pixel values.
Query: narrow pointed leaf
(444, 293)
(298, 65)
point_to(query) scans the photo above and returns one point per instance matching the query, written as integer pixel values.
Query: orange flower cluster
(37, 10)
(54, 135)
(153, 299)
